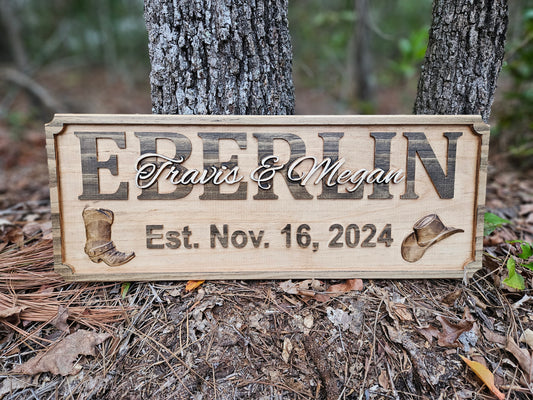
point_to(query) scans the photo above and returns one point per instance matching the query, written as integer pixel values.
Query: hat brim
(412, 251)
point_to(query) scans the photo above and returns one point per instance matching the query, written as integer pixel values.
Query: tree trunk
(363, 55)
(220, 57)
(463, 58)
(11, 22)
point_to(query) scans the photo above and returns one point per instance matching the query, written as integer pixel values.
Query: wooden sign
(145, 197)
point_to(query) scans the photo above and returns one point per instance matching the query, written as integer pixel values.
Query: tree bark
(464, 57)
(220, 57)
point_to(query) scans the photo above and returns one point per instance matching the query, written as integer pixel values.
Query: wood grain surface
(284, 229)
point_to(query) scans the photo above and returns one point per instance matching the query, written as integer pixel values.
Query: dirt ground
(388, 339)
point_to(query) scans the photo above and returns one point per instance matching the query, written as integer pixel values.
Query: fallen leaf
(11, 314)
(429, 332)
(450, 298)
(289, 287)
(174, 292)
(348, 286)
(527, 337)
(340, 288)
(494, 240)
(402, 311)
(322, 297)
(523, 357)
(467, 315)
(308, 287)
(60, 321)
(13, 234)
(46, 227)
(494, 337)
(256, 321)
(31, 229)
(315, 284)
(61, 357)
(339, 317)
(383, 380)
(191, 285)
(485, 375)
(12, 384)
(451, 331)
(287, 348)
(316, 289)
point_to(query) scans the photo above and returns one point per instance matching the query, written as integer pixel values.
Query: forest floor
(379, 339)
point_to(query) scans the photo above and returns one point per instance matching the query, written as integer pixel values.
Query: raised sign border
(57, 125)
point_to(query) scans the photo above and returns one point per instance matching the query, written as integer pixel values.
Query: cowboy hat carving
(427, 231)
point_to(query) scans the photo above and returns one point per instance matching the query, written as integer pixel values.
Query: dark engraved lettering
(151, 236)
(382, 149)
(215, 234)
(265, 143)
(386, 236)
(212, 160)
(367, 242)
(173, 240)
(444, 183)
(256, 241)
(352, 242)
(186, 233)
(148, 143)
(331, 152)
(334, 243)
(239, 239)
(90, 165)
(303, 238)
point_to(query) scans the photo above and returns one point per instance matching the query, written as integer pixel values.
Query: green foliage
(17, 122)
(124, 289)
(323, 33)
(525, 255)
(412, 51)
(109, 33)
(492, 222)
(320, 32)
(514, 279)
(515, 125)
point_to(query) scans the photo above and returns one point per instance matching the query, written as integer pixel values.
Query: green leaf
(527, 249)
(492, 221)
(514, 279)
(124, 289)
(528, 266)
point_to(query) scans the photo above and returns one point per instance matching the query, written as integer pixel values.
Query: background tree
(220, 57)
(464, 57)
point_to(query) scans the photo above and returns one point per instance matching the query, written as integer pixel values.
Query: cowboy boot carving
(99, 246)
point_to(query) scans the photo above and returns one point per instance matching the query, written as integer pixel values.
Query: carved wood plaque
(145, 197)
